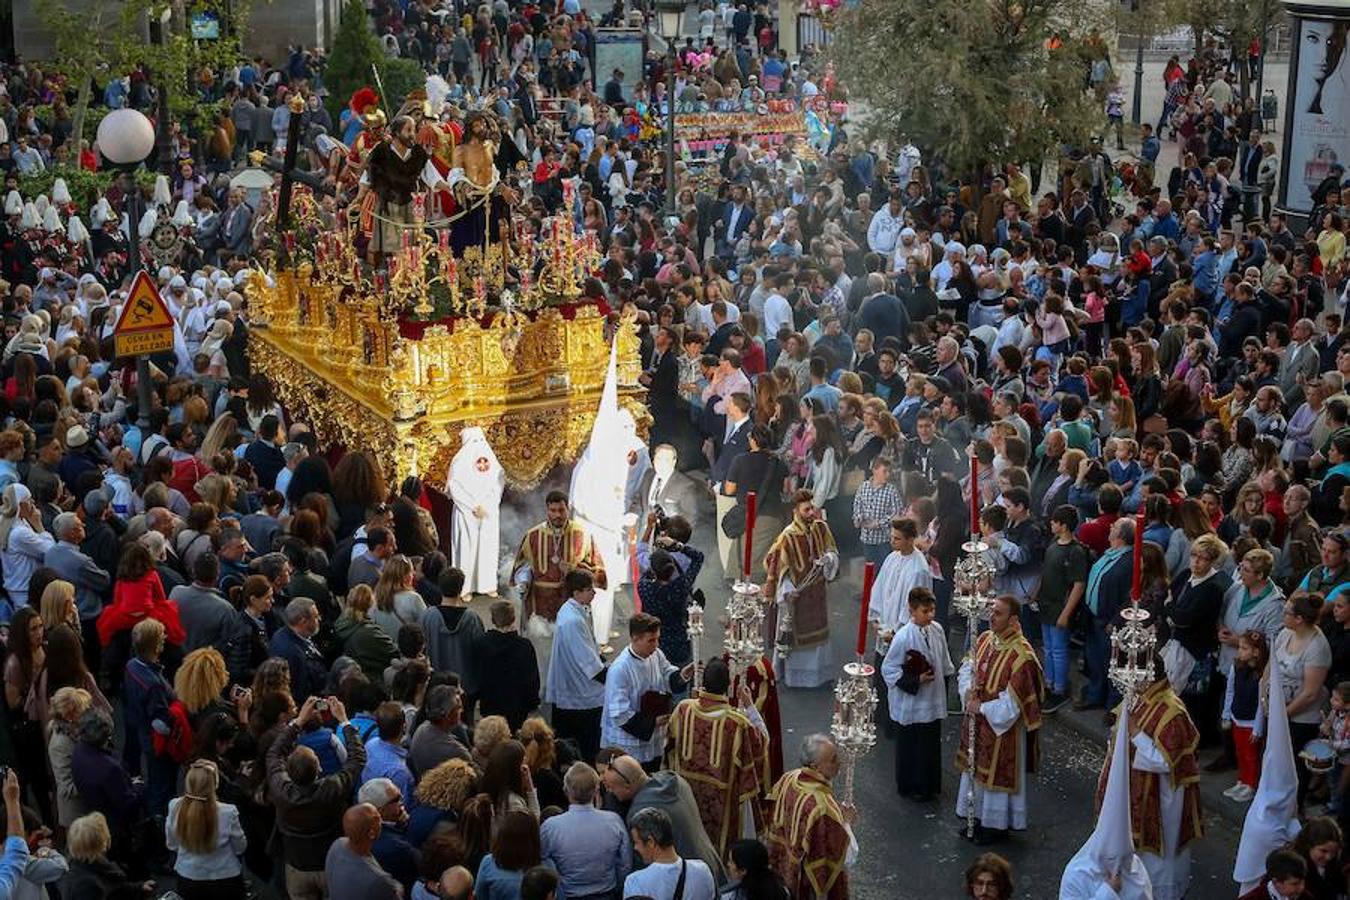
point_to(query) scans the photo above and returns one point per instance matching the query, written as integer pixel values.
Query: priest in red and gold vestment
(800, 562)
(1002, 683)
(722, 751)
(548, 552)
(1164, 786)
(810, 842)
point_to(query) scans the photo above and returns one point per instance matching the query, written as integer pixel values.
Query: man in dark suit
(736, 218)
(1081, 218)
(734, 443)
(264, 453)
(1164, 273)
(614, 90)
(662, 382)
(237, 227)
(722, 328)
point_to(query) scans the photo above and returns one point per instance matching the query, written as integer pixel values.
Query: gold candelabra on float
(398, 360)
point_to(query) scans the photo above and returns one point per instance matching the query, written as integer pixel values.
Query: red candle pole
(974, 496)
(751, 502)
(869, 572)
(1136, 584)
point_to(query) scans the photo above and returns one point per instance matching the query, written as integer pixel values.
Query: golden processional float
(398, 362)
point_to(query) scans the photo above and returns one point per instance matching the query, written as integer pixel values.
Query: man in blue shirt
(1205, 264)
(821, 389)
(386, 757)
(589, 847)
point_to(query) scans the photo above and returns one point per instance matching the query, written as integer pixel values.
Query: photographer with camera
(664, 590)
(310, 806)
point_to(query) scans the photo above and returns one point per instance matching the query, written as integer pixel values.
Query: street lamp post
(1138, 63)
(671, 15)
(125, 138)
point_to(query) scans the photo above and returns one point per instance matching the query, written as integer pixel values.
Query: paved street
(912, 850)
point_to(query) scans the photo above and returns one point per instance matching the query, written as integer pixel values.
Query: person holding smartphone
(15, 858)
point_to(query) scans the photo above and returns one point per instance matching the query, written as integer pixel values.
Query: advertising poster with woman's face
(1320, 108)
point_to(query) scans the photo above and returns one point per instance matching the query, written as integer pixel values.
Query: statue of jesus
(484, 202)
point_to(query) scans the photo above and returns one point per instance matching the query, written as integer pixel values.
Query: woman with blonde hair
(218, 491)
(361, 638)
(67, 705)
(541, 755)
(207, 836)
(487, 734)
(1250, 503)
(221, 437)
(92, 875)
(58, 605)
(441, 795)
(200, 683)
(1123, 418)
(396, 602)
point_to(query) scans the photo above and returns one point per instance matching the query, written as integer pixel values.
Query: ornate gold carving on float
(524, 360)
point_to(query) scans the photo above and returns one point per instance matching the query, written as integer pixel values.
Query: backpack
(177, 744)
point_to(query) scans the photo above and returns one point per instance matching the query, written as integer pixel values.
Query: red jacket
(137, 600)
(1095, 534)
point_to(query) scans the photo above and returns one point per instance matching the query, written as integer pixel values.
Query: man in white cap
(1106, 866)
(476, 484)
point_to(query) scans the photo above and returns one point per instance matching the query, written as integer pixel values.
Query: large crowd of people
(232, 656)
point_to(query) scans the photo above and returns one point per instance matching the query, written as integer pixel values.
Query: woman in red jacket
(138, 594)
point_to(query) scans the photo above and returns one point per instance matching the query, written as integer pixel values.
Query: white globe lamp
(125, 137)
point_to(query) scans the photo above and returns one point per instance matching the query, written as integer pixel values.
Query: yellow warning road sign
(145, 325)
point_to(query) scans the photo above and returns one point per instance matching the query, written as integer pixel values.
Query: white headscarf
(31, 338)
(215, 337)
(181, 216)
(76, 233)
(10, 500)
(162, 196)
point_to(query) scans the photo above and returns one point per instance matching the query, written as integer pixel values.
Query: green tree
(105, 38)
(973, 81)
(87, 46)
(399, 77)
(355, 50)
